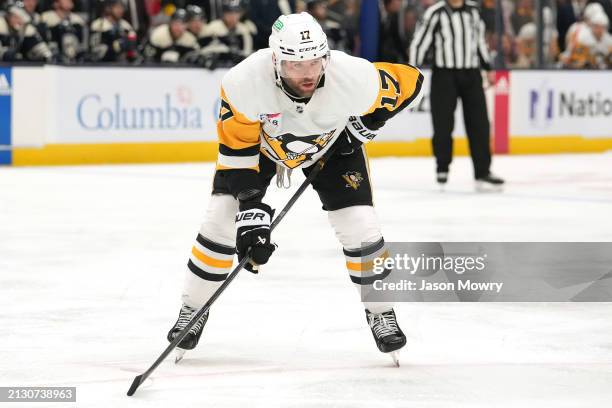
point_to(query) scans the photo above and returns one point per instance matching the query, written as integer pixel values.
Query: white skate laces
(383, 324)
(185, 318)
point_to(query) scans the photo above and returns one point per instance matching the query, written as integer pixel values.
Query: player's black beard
(293, 94)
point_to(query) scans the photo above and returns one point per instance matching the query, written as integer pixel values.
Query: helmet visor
(312, 68)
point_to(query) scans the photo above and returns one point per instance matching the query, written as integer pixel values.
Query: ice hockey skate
(191, 339)
(442, 179)
(387, 334)
(489, 183)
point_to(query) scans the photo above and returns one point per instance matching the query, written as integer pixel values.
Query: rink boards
(80, 115)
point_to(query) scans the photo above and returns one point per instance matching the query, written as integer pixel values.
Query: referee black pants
(446, 86)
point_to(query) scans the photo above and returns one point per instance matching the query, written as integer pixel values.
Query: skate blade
(178, 355)
(395, 357)
(488, 188)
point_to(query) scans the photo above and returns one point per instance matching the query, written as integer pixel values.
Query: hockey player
(19, 40)
(228, 39)
(112, 38)
(336, 35)
(171, 42)
(195, 21)
(65, 31)
(591, 45)
(35, 18)
(573, 31)
(281, 109)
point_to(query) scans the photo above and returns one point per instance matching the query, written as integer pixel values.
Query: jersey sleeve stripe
(238, 162)
(247, 151)
(221, 167)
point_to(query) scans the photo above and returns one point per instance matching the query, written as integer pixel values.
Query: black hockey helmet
(231, 5)
(194, 12)
(179, 15)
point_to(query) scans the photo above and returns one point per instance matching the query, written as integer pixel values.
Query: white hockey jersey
(256, 116)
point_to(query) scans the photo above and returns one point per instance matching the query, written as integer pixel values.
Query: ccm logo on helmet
(307, 49)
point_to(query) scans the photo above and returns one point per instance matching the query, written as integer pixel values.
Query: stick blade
(135, 384)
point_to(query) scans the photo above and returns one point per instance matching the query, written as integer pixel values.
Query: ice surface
(92, 262)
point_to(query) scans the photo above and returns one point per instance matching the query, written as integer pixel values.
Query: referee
(454, 31)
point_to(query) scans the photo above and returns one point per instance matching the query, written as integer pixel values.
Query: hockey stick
(138, 380)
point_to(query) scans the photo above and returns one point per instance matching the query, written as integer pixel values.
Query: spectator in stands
(112, 38)
(66, 32)
(566, 16)
(346, 14)
(487, 12)
(228, 40)
(508, 48)
(550, 37)
(526, 43)
(410, 21)
(171, 42)
(526, 46)
(523, 14)
(391, 48)
(195, 22)
(336, 36)
(263, 13)
(19, 40)
(336, 10)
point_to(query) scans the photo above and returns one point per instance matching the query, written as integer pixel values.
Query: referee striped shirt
(456, 35)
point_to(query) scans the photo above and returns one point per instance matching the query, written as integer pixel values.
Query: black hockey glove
(253, 233)
(358, 130)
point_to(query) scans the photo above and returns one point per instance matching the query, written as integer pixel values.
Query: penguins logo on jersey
(353, 179)
(294, 150)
